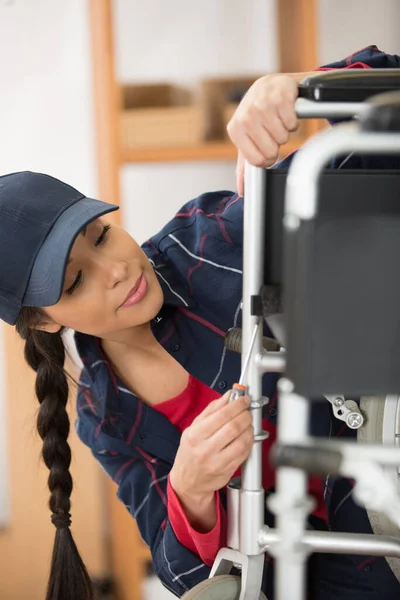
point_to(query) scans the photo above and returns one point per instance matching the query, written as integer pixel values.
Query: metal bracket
(263, 401)
(251, 567)
(347, 411)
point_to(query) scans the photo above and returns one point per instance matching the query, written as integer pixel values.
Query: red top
(181, 411)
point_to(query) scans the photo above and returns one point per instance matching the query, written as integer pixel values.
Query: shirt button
(367, 568)
(175, 348)
(222, 385)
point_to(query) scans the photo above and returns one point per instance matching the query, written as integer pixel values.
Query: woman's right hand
(263, 121)
(214, 446)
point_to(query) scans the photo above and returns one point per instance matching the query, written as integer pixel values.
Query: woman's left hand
(263, 122)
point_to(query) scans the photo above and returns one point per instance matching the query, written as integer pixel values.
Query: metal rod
(308, 109)
(271, 362)
(290, 503)
(253, 255)
(387, 455)
(338, 543)
(251, 500)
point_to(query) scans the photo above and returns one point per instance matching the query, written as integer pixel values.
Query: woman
(150, 323)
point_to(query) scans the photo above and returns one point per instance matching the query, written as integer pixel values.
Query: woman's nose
(115, 271)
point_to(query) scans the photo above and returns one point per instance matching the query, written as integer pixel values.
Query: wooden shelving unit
(296, 23)
(207, 151)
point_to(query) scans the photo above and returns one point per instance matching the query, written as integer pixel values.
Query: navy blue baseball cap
(40, 218)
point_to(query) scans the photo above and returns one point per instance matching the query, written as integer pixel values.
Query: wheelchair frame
(289, 542)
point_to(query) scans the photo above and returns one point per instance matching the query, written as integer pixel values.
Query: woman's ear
(49, 327)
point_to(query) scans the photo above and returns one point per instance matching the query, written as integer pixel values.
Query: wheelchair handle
(342, 93)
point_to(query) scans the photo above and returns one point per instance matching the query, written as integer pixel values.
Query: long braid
(45, 353)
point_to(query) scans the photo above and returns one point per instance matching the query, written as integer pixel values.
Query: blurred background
(128, 100)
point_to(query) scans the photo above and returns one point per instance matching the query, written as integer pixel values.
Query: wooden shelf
(208, 151)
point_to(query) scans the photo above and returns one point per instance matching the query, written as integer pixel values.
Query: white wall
(46, 119)
(182, 42)
(46, 123)
(348, 25)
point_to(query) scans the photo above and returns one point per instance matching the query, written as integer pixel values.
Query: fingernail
(247, 400)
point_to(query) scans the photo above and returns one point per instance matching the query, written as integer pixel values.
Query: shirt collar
(173, 284)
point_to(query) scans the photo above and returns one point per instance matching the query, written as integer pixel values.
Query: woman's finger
(213, 407)
(288, 116)
(236, 453)
(213, 422)
(231, 430)
(276, 130)
(240, 174)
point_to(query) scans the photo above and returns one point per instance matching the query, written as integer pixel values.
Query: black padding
(383, 114)
(319, 462)
(341, 284)
(349, 85)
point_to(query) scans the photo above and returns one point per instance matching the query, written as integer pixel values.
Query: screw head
(338, 401)
(355, 420)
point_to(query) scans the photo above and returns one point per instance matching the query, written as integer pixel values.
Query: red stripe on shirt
(202, 321)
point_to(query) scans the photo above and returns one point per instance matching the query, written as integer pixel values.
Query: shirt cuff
(205, 545)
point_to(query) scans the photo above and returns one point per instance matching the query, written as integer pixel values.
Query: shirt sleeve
(215, 216)
(205, 545)
(142, 487)
(207, 233)
(368, 57)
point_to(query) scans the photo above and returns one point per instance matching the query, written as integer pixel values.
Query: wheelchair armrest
(349, 85)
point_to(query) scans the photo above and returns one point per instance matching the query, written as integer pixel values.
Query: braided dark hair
(45, 353)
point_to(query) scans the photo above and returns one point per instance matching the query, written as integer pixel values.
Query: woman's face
(110, 285)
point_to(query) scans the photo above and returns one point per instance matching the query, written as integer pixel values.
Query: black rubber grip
(314, 462)
(349, 85)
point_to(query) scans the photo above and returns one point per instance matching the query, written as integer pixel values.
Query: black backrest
(341, 283)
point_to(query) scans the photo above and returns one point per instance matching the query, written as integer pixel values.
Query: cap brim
(47, 277)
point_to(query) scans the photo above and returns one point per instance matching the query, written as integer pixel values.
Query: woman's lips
(137, 293)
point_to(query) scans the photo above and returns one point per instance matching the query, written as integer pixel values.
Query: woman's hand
(217, 442)
(263, 122)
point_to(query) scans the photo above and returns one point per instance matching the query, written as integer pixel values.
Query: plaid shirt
(198, 260)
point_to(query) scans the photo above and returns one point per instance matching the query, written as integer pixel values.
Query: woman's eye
(78, 280)
(76, 284)
(103, 235)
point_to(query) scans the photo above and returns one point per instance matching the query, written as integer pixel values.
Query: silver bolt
(338, 402)
(263, 401)
(285, 385)
(291, 222)
(355, 420)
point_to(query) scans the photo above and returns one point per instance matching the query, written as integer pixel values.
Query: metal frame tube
(309, 109)
(383, 454)
(290, 503)
(270, 362)
(252, 493)
(338, 543)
